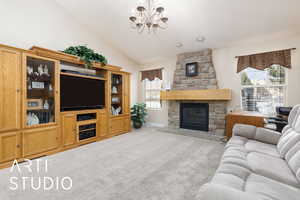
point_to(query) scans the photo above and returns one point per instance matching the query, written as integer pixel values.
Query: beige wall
(44, 23)
(225, 65)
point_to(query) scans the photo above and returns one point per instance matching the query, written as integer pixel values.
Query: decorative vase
(137, 124)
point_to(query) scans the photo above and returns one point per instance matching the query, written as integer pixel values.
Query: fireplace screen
(194, 116)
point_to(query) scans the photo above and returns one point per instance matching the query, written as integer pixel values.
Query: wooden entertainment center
(31, 122)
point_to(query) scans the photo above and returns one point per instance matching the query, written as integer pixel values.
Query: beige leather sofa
(259, 164)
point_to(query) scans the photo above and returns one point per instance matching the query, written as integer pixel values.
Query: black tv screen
(78, 93)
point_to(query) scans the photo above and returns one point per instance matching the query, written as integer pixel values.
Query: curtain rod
(152, 69)
(266, 52)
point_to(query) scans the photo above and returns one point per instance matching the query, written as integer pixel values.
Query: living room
(149, 99)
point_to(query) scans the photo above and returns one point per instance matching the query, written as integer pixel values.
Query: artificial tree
(138, 114)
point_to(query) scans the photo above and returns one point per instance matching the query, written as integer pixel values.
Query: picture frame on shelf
(37, 85)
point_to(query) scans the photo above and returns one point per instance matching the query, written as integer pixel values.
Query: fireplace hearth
(194, 116)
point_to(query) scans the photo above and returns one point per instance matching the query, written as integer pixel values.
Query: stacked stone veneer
(205, 80)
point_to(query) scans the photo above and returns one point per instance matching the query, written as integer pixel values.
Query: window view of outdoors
(263, 90)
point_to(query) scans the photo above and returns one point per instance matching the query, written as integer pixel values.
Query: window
(152, 93)
(263, 90)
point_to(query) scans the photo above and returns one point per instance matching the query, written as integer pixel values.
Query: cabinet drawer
(40, 140)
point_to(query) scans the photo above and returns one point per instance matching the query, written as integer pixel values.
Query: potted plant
(86, 54)
(138, 114)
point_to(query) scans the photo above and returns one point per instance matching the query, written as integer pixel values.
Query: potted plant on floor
(138, 114)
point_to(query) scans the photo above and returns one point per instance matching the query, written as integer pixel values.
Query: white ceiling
(221, 22)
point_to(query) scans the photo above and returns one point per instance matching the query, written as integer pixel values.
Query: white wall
(225, 65)
(44, 23)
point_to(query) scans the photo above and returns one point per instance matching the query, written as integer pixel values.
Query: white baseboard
(150, 124)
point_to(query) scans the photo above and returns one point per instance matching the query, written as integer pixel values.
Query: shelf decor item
(138, 114)
(86, 54)
(35, 104)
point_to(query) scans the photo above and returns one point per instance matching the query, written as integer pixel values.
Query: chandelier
(148, 15)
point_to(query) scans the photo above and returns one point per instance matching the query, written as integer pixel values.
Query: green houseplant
(138, 114)
(85, 54)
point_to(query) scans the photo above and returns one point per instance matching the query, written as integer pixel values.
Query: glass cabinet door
(116, 94)
(41, 84)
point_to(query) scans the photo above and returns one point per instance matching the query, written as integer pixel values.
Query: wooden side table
(243, 117)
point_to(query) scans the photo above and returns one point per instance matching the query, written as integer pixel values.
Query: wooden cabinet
(40, 140)
(41, 90)
(9, 146)
(120, 89)
(69, 130)
(119, 124)
(103, 124)
(250, 118)
(10, 90)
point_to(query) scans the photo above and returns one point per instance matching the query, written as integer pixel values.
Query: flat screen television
(78, 93)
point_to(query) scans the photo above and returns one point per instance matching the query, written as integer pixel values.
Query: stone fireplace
(201, 115)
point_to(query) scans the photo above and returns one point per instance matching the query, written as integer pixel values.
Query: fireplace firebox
(194, 116)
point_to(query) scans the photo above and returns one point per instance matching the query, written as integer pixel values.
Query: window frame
(285, 86)
(145, 94)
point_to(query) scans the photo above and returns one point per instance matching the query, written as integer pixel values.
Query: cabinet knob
(18, 145)
(18, 90)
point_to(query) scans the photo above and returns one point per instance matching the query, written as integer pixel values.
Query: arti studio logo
(32, 175)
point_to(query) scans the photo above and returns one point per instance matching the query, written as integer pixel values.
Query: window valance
(152, 74)
(262, 61)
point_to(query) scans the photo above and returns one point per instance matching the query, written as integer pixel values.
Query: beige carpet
(142, 165)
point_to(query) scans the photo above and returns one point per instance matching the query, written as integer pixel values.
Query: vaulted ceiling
(221, 22)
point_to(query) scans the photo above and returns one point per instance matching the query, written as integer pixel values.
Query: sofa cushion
(270, 189)
(272, 167)
(252, 146)
(287, 142)
(293, 159)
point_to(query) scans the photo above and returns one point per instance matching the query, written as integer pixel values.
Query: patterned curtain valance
(264, 60)
(152, 74)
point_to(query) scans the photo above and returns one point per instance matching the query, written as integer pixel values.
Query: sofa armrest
(267, 136)
(254, 133)
(243, 130)
(220, 192)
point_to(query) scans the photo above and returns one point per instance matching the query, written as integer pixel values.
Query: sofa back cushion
(291, 134)
(293, 159)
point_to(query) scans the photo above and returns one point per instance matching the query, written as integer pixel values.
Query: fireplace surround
(205, 80)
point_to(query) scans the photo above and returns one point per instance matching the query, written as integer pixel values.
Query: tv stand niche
(32, 92)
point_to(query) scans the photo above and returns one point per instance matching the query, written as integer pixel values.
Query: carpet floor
(141, 165)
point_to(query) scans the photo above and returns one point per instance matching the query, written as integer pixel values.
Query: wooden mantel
(208, 95)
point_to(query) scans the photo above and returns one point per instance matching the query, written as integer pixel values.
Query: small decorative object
(38, 85)
(138, 114)
(115, 100)
(32, 119)
(29, 70)
(34, 104)
(50, 88)
(191, 69)
(116, 111)
(46, 105)
(40, 70)
(46, 71)
(114, 90)
(86, 54)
